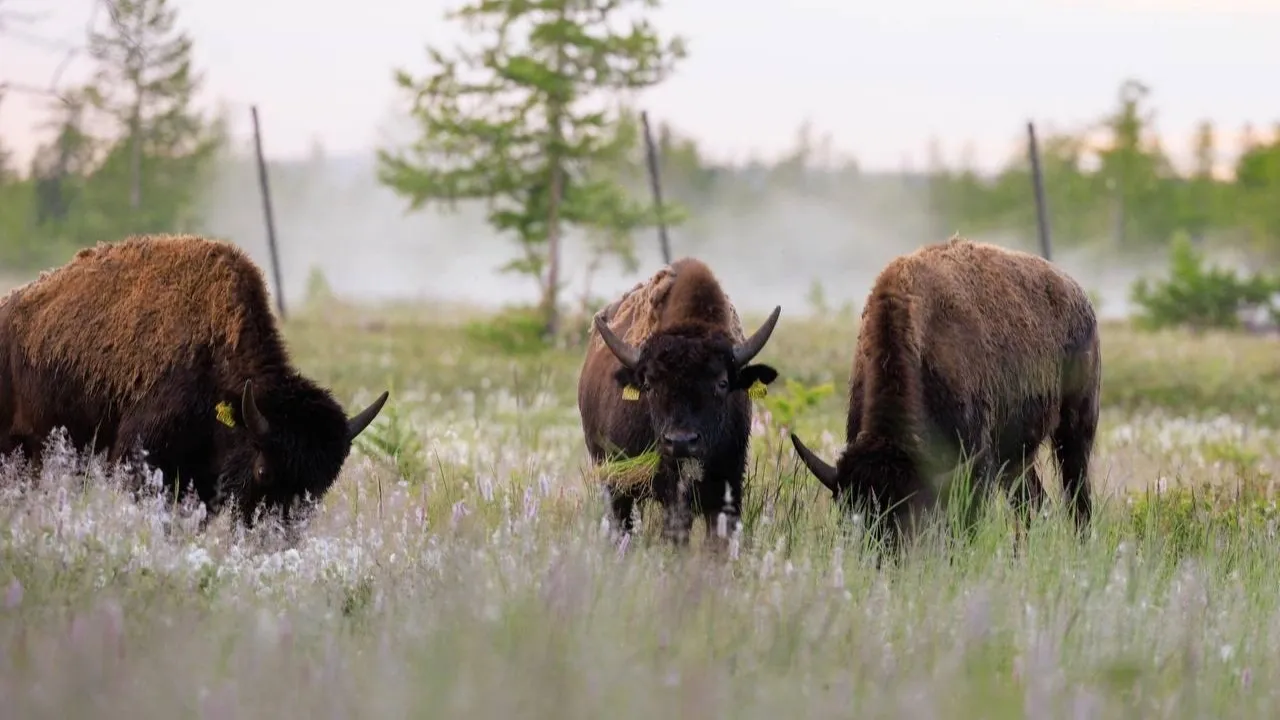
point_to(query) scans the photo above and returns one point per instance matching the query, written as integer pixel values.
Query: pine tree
(145, 83)
(511, 124)
(6, 156)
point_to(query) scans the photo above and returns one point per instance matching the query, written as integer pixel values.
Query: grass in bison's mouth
(630, 472)
(461, 568)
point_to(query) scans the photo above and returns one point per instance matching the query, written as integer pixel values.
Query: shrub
(1198, 295)
(1188, 519)
(513, 331)
(794, 399)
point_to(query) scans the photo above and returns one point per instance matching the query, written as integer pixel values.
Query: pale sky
(881, 77)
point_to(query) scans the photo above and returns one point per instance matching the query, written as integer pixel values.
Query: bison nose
(680, 443)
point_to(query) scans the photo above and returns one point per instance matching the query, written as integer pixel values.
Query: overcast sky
(881, 77)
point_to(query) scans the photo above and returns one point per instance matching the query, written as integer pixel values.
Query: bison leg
(1073, 444)
(1020, 439)
(676, 496)
(29, 448)
(722, 515)
(1020, 479)
(20, 436)
(145, 450)
(1027, 492)
(677, 517)
(621, 505)
(129, 446)
(972, 479)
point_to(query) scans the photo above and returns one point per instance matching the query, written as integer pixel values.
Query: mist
(331, 214)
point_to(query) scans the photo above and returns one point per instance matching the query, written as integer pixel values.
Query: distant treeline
(127, 154)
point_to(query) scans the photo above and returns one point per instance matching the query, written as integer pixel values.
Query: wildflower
(13, 596)
(837, 568)
(459, 511)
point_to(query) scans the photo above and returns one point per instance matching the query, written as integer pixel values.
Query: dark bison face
(872, 476)
(687, 379)
(295, 448)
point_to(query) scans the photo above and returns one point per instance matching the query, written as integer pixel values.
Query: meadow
(461, 567)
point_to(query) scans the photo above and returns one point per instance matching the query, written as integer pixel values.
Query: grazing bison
(967, 346)
(667, 370)
(167, 344)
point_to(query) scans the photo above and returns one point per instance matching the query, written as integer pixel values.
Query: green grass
(460, 568)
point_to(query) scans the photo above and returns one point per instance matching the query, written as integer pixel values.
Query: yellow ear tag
(757, 390)
(224, 414)
(630, 394)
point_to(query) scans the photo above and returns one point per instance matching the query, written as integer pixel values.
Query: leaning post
(1037, 186)
(265, 188)
(655, 184)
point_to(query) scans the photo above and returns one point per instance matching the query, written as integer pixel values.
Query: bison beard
(683, 393)
(966, 351)
(167, 344)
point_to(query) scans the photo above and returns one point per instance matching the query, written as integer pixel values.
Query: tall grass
(463, 567)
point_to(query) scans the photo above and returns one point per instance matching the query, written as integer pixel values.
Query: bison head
(686, 376)
(294, 448)
(872, 476)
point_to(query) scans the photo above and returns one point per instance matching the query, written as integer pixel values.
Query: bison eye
(722, 384)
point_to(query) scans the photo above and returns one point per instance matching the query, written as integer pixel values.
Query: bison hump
(121, 316)
(637, 313)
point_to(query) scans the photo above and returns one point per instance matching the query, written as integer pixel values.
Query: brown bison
(967, 347)
(667, 370)
(167, 345)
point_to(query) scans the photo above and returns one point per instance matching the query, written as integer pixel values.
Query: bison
(967, 347)
(167, 344)
(667, 371)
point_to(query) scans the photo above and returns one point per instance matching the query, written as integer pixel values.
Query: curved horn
(819, 467)
(358, 422)
(743, 353)
(253, 419)
(626, 354)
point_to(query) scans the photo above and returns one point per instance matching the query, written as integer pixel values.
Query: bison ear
(629, 381)
(752, 374)
(249, 411)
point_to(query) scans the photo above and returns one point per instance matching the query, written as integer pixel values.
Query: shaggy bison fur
(967, 347)
(167, 344)
(667, 369)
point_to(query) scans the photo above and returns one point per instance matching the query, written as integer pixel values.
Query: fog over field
(337, 217)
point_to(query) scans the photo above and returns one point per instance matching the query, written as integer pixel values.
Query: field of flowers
(460, 568)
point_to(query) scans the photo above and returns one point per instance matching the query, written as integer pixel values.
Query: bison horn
(820, 469)
(626, 354)
(357, 423)
(743, 353)
(253, 419)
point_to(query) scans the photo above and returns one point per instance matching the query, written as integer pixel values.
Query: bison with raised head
(967, 347)
(668, 370)
(167, 344)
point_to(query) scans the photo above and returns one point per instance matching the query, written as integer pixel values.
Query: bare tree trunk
(136, 64)
(135, 156)
(552, 289)
(555, 195)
